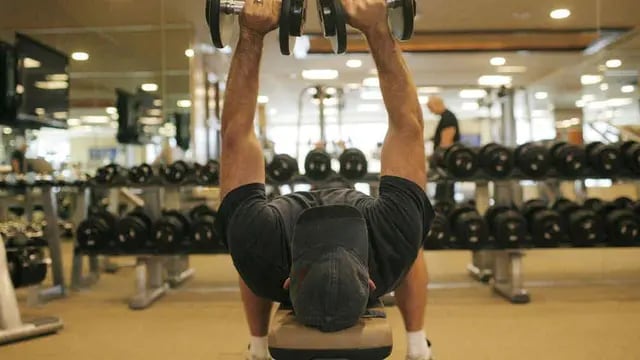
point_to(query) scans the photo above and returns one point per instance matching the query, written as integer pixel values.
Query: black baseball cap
(330, 275)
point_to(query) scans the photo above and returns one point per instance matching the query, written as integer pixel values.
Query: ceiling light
(369, 108)
(29, 63)
(512, 69)
(184, 103)
(52, 85)
(154, 112)
(157, 102)
(111, 110)
(590, 79)
(331, 91)
(498, 61)
(354, 63)
(7, 131)
(80, 56)
(473, 93)
(371, 95)
(604, 86)
(74, 122)
(149, 87)
(60, 115)
(494, 80)
(616, 102)
(613, 63)
(541, 95)
(588, 98)
(580, 103)
(320, 74)
(423, 99)
(429, 90)
(189, 53)
(263, 99)
(628, 89)
(330, 102)
(560, 14)
(150, 120)
(57, 77)
(273, 111)
(470, 106)
(94, 120)
(371, 82)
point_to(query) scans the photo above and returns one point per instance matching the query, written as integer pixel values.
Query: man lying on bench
(329, 276)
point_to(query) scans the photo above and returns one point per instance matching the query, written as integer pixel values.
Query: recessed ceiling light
(613, 63)
(580, 103)
(369, 108)
(511, 69)
(371, 82)
(472, 93)
(149, 87)
(560, 14)
(7, 131)
(189, 53)
(157, 102)
(331, 91)
(320, 74)
(80, 56)
(354, 63)
(429, 90)
(74, 122)
(498, 61)
(616, 102)
(628, 89)
(494, 80)
(184, 103)
(604, 86)
(541, 95)
(470, 106)
(590, 79)
(111, 110)
(29, 63)
(263, 99)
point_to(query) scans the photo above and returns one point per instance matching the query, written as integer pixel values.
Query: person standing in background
(447, 134)
(18, 157)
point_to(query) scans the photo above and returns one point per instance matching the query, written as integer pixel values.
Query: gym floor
(585, 305)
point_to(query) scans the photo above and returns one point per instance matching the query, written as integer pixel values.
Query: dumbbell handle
(235, 6)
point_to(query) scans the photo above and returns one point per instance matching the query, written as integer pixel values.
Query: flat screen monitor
(42, 84)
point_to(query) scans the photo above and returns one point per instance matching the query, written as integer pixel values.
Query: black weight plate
(170, 231)
(631, 155)
(623, 202)
(496, 160)
(339, 40)
(622, 228)
(533, 160)
(401, 19)
(584, 227)
(510, 228)
(134, 231)
(568, 159)
(297, 17)
(285, 24)
(353, 164)
(327, 18)
(317, 165)
(604, 159)
(176, 172)
(220, 24)
(201, 210)
(282, 168)
(443, 207)
(460, 161)
(530, 207)
(593, 204)
(438, 234)
(545, 227)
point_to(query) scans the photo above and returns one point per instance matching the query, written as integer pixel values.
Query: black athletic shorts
(259, 232)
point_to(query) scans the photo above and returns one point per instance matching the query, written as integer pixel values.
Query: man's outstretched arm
(242, 159)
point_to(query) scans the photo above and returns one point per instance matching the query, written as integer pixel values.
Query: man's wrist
(252, 37)
(377, 33)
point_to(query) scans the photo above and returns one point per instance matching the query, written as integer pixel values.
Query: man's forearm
(398, 89)
(242, 84)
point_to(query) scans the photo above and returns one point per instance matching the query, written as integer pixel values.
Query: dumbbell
(97, 232)
(581, 224)
(444, 207)
(568, 159)
(171, 232)
(401, 16)
(107, 174)
(222, 16)
(134, 232)
(623, 202)
(353, 164)
(459, 160)
(203, 234)
(27, 266)
(209, 173)
(317, 165)
(603, 159)
(532, 159)
(141, 174)
(545, 225)
(282, 168)
(507, 226)
(177, 172)
(439, 235)
(468, 227)
(619, 223)
(496, 160)
(630, 151)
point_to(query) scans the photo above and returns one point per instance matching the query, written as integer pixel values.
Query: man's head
(330, 284)
(436, 105)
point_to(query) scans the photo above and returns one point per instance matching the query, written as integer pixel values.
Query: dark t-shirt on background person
(19, 156)
(447, 119)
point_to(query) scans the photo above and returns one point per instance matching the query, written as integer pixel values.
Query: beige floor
(586, 305)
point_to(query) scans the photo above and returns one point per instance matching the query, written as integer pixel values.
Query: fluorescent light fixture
(331, 91)
(470, 106)
(273, 111)
(369, 108)
(39, 111)
(189, 53)
(604, 86)
(354, 63)
(7, 131)
(57, 77)
(96, 120)
(111, 110)
(154, 112)
(371, 82)
(498, 61)
(541, 95)
(60, 115)
(52, 85)
(558, 14)
(320, 74)
(428, 90)
(371, 95)
(149, 87)
(494, 80)
(580, 103)
(29, 63)
(628, 89)
(590, 79)
(74, 122)
(617, 102)
(354, 86)
(613, 63)
(512, 69)
(151, 120)
(472, 93)
(157, 102)
(263, 99)
(588, 97)
(80, 56)
(184, 103)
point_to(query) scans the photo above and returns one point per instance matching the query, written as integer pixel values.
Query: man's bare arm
(447, 136)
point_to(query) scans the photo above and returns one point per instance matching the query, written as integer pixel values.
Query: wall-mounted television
(42, 89)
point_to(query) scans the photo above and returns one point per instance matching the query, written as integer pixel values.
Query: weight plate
(631, 154)
(317, 165)
(282, 168)
(297, 17)
(604, 159)
(438, 234)
(353, 164)
(401, 19)
(221, 25)
(623, 202)
(545, 227)
(286, 41)
(327, 18)
(460, 161)
(336, 27)
(496, 160)
(533, 160)
(568, 159)
(622, 228)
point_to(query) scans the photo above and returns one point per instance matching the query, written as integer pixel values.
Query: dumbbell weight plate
(623, 202)
(334, 23)
(141, 174)
(171, 232)
(568, 159)
(285, 27)
(545, 227)
(176, 172)
(604, 159)
(353, 164)
(134, 231)
(439, 233)
(297, 16)
(622, 228)
(533, 160)
(221, 25)
(401, 18)
(282, 168)
(630, 151)
(317, 165)
(468, 227)
(460, 161)
(496, 160)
